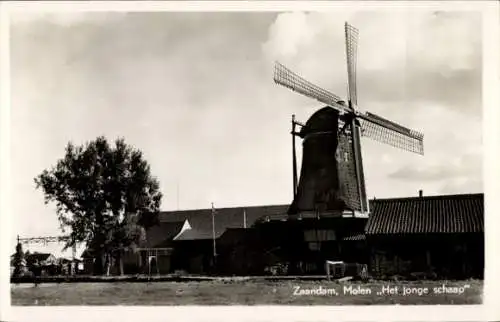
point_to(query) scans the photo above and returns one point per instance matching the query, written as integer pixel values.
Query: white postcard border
(491, 137)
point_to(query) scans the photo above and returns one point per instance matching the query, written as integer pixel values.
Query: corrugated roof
(433, 214)
(160, 235)
(195, 234)
(355, 237)
(236, 235)
(201, 219)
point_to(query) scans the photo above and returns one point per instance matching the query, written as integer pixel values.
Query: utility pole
(177, 194)
(213, 232)
(294, 156)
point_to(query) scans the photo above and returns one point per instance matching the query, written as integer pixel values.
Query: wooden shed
(434, 236)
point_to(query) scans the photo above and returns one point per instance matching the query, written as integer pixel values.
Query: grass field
(243, 293)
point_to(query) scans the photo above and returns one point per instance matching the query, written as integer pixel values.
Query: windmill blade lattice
(351, 38)
(385, 131)
(285, 77)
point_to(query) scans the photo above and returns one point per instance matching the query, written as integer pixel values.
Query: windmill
(332, 177)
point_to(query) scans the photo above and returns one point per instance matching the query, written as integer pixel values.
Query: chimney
(420, 193)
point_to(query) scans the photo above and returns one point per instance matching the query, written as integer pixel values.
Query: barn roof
(354, 237)
(433, 214)
(200, 220)
(160, 235)
(195, 234)
(236, 235)
(428, 214)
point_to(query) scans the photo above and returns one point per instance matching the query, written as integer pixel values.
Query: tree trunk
(99, 242)
(98, 264)
(120, 260)
(108, 264)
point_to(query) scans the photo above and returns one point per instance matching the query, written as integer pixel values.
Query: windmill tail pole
(294, 157)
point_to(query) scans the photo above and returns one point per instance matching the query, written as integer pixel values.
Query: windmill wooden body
(332, 178)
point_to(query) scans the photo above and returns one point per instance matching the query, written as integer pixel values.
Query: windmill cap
(323, 120)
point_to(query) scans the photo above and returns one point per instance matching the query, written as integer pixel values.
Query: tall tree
(19, 261)
(105, 195)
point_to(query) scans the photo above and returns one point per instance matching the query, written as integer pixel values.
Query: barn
(184, 240)
(433, 236)
(424, 236)
(253, 240)
(194, 247)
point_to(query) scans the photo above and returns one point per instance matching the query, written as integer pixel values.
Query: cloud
(421, 69)
(299, 34)
(453, 150)
(63, 19)
(194, 91)
(466, 166)
(425, 75)
(402, 56)
(461, 185)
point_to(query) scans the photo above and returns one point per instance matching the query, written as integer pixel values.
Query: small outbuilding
(434, 236)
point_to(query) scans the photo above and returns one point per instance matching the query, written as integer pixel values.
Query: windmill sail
(285, 77)
(353, 172)
(385, 131)
(331, 176)
(351, 38)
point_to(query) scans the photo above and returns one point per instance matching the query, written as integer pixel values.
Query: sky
(194, 92)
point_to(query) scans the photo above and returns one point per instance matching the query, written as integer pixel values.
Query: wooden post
(149, 262)
(294, 157)
(156, 261)
(464, 259)
(213, 234)
(428, 259)
(73, 251)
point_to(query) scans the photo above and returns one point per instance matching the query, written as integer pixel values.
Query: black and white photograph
(246, 158)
